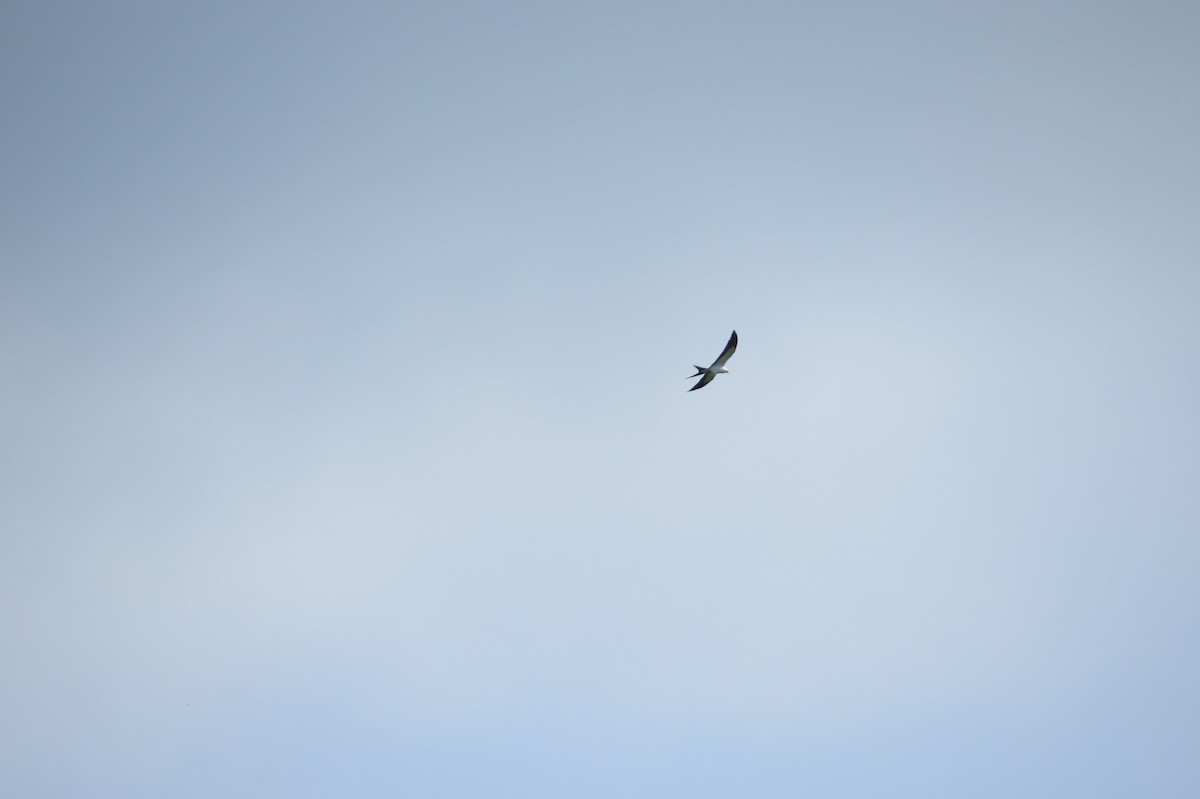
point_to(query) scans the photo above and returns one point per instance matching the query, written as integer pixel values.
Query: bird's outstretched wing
(727, 354)
(704, 381)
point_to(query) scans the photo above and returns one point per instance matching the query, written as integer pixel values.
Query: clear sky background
(347, 451)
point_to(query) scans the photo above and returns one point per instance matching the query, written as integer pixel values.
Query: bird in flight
(718, 366)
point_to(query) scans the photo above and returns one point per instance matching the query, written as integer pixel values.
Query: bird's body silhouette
(706, 375)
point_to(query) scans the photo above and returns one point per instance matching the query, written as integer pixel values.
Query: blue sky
(347, 449)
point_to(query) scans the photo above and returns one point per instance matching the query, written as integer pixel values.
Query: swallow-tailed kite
(718, 366)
